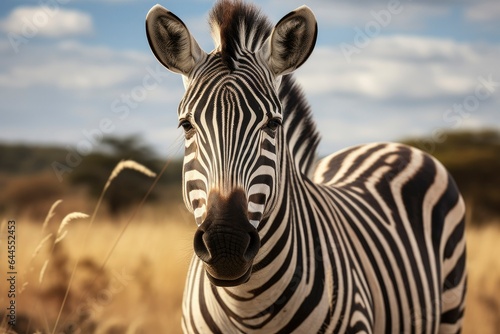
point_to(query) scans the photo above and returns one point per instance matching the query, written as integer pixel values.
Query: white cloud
(66, 75)
(31, 21)
(396, 86)
(71, 66)
(400, 86)
(4, 46)
(53, 92)
(483, 11)
(400, 67)
(395, 14)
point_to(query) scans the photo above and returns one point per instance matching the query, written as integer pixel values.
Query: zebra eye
(186, 125)
(273, 124)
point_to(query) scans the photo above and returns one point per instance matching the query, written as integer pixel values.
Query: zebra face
(232, 131)
(232, 117)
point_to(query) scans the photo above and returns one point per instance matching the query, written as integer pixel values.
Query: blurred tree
(30, 194)
(28, 182)
(473, 159)
(20, 159)
(130, 186)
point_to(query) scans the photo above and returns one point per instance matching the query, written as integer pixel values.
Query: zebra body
(377, 267)
(370, 239)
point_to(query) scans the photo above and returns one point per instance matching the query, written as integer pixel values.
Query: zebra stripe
(370, 239)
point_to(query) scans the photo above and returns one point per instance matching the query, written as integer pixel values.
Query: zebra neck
(296, 279)
(290, 263)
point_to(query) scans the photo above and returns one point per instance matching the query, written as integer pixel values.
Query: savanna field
(140, 288)
(87, 264)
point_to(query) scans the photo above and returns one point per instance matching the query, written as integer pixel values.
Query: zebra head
(232, 116)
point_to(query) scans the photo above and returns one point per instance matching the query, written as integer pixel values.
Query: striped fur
(371, 239)
(375, 244)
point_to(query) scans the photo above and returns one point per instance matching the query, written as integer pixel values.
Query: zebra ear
(171, 42)
(291, 42)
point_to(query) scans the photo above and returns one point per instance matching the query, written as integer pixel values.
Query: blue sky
(381, 70)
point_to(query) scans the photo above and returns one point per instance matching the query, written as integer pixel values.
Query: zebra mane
(302, 137)
(236, 27)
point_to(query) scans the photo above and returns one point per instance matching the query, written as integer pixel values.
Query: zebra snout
(228, 250)
(220, 244)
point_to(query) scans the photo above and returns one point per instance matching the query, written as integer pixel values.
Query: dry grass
(483, 267)
(140, 285)
(140, 289)
(102, 276)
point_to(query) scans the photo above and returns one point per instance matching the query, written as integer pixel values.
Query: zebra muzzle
(226, 241)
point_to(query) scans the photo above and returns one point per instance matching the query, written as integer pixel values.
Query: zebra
(369, 239)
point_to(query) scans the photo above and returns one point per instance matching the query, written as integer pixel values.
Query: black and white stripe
(370, 239)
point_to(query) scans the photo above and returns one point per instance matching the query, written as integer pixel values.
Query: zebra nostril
(200, 248)
(253, 246)
(204, 244)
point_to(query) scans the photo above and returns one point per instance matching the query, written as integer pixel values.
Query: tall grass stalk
(44, 240)
(124, 164)
(42, 271)
(50, 214)
(132, 216)
(60, 235)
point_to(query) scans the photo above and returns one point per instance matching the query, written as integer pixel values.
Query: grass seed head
(50, 214)
(42, 271)
(40, 245)
(69, 217)
(128, 164)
